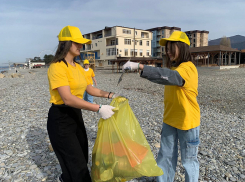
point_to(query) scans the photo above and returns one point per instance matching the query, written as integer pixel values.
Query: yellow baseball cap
(176, 36)
(70, 33)
(85, 61)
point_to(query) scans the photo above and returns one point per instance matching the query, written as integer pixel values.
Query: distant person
(89, 73)
(181, 121)
(67, 84)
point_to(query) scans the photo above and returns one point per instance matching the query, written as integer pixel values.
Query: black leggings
(68, 137)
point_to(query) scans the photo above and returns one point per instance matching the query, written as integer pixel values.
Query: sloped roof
(213, 48)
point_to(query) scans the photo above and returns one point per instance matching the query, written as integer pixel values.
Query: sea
(4, 68)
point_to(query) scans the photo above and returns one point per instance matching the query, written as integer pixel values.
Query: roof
(164, 27)
(197, 31)
(213, 48)
(106, 27)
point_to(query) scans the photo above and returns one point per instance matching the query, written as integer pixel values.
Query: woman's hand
(105, 111)
(131, 66)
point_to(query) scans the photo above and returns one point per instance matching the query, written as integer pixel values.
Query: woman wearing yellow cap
(89, 73)
(181, 121)
(67, 84)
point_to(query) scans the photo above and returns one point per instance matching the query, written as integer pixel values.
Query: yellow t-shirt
(181, 109)
(60, 75)
(89, 74)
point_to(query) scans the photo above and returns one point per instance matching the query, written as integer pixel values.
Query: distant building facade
(158, 33)
(113, 42)
(198, 38)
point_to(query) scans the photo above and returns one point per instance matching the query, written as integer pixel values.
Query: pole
(134, 41)
(239, 57)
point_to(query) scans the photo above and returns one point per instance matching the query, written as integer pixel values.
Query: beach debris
(2, 75)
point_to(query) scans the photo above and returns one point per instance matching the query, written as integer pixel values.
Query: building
(198, 38)
(158, 33)
(114, 42)
(215, 55)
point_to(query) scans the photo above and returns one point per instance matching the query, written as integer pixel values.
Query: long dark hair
(61, 52)
(184, 53)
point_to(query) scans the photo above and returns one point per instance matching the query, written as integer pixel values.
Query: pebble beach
(26, 154)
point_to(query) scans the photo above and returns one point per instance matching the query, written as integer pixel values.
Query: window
(147, 53)
(117, 51)
(110, 63)
(194, 40)
(194, 35)
(147, 43)
(162, 32)
(126, 52)
(113, 42)
(142, 34)
(110, 51)
(141, 52)
(135, 32)
(141, 42)
(127, 41)
(95, 44)
(125, 31)
(147, 35)
(131, 52)
(194, 45)
(135, 52)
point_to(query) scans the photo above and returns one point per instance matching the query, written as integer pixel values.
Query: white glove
(105, 111)
(130, 65)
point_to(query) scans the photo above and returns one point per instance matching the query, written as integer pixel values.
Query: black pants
(68, 137)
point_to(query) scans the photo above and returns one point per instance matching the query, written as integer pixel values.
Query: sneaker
(60, 179)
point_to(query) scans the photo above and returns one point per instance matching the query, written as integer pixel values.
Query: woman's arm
(95, 82)
(74, 101)
(97, 92)
(163, 76)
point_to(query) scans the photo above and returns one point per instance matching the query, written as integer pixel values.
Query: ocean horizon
(4, 68)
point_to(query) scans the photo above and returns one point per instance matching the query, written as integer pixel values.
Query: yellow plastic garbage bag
(121, 151)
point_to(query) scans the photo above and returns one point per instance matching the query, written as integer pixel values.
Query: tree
(48, 58)
(225, 41)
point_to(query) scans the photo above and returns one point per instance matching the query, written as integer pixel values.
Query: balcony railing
(110, 44)
(108, 34)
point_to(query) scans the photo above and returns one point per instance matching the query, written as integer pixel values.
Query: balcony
(110, 44)
(108, 34)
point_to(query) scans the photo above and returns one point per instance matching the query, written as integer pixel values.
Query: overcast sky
(29, 28)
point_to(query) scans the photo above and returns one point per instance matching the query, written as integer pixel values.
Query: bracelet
(99, 109)
(109, 94)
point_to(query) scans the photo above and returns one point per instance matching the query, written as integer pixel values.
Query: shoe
(60, 179)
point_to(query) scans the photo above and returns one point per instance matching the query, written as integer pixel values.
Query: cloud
(29, 27)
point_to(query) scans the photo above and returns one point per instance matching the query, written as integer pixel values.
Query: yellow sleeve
(57, 76)
(93, 75)
(185, 71)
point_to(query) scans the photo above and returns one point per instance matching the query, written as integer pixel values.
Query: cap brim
(82, 41)
(164, 41)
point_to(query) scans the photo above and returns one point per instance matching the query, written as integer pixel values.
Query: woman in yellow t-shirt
(67, 84)
(89, 73)
(181, 121)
